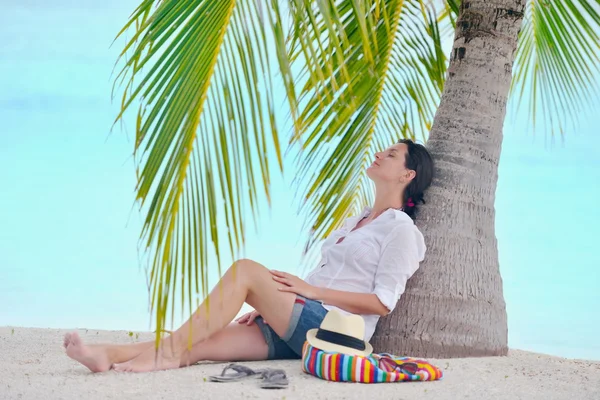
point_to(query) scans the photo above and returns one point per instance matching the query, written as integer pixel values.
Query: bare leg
(236, 342)
(246, 281)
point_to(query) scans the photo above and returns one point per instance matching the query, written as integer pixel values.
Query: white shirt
(377, 258)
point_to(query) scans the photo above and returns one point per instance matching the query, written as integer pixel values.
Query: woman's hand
(249, 318)
(296, 285)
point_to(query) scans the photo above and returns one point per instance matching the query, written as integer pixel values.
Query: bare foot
(150, 360)
(93, 357)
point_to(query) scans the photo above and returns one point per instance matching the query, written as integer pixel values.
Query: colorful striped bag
(377, 368)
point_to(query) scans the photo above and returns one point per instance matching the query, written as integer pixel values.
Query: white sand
(33, 366)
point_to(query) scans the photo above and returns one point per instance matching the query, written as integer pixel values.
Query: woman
(363, 270)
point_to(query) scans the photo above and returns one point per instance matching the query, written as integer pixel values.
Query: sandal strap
(272, 373)
(238, 368)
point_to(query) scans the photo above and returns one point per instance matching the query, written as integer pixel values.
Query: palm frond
(206, 128)
(558, 60)
(379, 80)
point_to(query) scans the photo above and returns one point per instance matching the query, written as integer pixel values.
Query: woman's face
(389, 166)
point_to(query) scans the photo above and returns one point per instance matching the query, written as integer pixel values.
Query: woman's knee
(245, 263)
(246, 268)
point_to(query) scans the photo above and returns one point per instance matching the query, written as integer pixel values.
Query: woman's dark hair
(419, 160)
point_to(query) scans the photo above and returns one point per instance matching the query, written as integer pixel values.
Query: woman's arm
(355, 303)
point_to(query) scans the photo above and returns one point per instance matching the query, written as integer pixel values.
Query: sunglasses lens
(408, 368)
(387, 364)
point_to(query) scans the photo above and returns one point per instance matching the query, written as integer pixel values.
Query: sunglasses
(390, 365)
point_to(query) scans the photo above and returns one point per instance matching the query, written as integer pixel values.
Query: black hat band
(340, 339)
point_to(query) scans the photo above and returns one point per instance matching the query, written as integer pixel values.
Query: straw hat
(340, 334)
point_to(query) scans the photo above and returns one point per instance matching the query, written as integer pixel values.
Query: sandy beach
(33, 366)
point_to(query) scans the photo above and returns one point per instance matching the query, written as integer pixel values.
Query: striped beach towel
(343, 368)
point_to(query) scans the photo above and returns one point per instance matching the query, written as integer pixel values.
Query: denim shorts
(306, 315)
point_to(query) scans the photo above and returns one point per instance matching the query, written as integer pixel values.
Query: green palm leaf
(205, 126)
(377, 79)
(557, 63)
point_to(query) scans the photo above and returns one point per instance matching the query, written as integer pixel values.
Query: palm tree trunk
(454, 305)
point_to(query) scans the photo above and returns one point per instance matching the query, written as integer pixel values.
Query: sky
(69, 227)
